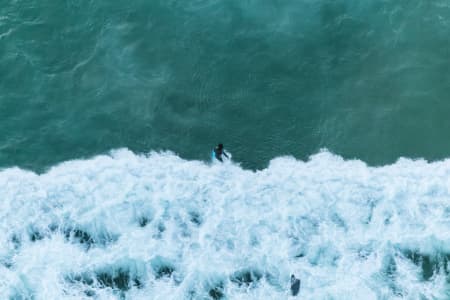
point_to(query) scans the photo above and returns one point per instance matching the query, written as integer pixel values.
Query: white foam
(181, 228)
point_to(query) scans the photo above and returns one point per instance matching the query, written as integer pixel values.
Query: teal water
(365, 79)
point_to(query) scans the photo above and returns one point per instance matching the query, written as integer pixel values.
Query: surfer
(218, 151)
(295, 285)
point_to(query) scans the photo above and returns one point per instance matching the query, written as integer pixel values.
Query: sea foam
(127, 226)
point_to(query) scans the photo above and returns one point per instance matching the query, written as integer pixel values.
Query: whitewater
(156, 226)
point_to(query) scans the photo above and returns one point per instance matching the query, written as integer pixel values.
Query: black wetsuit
(218, 153)
(295, 285)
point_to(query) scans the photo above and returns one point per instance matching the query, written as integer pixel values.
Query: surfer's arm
(224, 153)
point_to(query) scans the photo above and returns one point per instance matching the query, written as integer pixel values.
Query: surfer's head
(220, 146)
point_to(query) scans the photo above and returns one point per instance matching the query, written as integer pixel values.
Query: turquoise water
(367, 80)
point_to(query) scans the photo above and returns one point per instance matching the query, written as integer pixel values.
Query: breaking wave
(127, 226)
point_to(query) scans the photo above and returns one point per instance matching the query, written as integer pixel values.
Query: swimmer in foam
(295, 285)
(218, 151)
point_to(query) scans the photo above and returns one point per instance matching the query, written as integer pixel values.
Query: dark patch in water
(143, 221)
(162, 267)
(216, 290)
(16, 241)
(364, 253)
(339, 221)
(7, 262)
(162, 271)
(216, 293)
(160, 230)
(53, 227)
(35, 234)
(80, 236)
(196, 218)
(161, 227)
(212, 289)
(389, 271)
(88, 240)
(429, 264)
(191, 295)
(118, 278)
(89, 293)
(184, 230)
(387, 219)
(246, 277)
(390, 267)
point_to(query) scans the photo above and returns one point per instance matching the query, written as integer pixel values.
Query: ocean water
(365, 79)
(335, 112)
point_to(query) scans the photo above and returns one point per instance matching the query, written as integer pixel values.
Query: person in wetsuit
(218, 151)
(295, 285)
